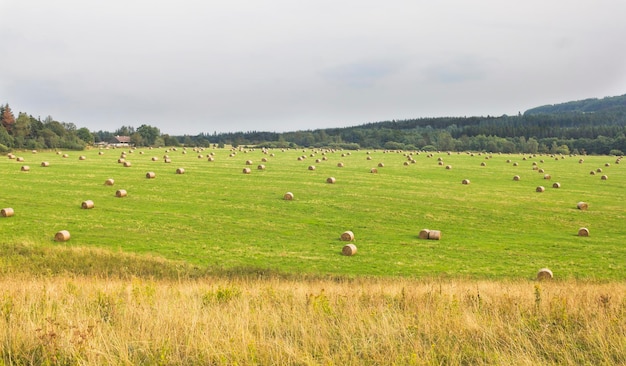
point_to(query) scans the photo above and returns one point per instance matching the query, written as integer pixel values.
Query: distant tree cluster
(591, 126)
(27, 132)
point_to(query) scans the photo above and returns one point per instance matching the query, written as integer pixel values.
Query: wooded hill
(591, 126)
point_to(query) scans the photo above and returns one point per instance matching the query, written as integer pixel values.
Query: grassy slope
(215, 216)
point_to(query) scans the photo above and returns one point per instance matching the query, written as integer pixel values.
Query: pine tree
(7, 118)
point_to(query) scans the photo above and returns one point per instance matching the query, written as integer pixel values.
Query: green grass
(213, 216)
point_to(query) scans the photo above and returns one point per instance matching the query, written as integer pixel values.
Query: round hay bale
(348, 250)
(607, 164)
(154, 158)
(580, 161)
(540, 171)
(508, 160)
(248, 162)
(592, 173)
(180, 171)
(440, 159)
(10, 156)
(465, 181)
(65, 156)
(246, 171)
(434, 235)
(261, 167)
(556, 185)
(87, 204)
(439, 163)
(540, 189)
(483, 164)
(381, 165)
(167, 161)
(424, 234)
(120, 193)
(25, 168)
(121, 160)
(7, 212)
(127, 164)
(369, 158)
(373, 170)
(288, 196)
(210, 158)
(604, 177)
(340, 165)
(448, 167)
(599, 170)
(264, 160)
(583, 231)
(45, 164)
(166, 156)
(20, 159)
(534, 163)
(515, 164)
(516, 178)
(82, 157)
(150, 175)
(347, 236)
(62, 235)
(547, 177)
(109, 182)
(406, 163)
(330, 180)
(582, 205)
(544, 274)
(311, 167)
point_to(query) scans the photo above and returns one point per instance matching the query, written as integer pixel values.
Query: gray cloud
(197, 66)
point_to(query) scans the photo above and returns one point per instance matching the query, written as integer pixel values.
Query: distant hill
(591, 105)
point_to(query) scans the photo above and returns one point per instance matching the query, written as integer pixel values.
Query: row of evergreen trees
(596, 132)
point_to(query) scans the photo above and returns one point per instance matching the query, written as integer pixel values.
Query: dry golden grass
(79, 320)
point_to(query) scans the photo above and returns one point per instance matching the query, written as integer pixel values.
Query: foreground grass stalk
(78, 320)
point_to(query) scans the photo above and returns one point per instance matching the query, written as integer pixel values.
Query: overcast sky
(190, 66)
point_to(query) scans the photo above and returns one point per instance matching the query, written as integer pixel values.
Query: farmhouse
(120, 141)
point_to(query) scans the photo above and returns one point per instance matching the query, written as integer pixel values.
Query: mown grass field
(214, 216)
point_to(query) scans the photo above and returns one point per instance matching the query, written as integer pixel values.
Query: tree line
(592, 126)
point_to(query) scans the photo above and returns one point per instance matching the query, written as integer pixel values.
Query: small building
(120, 141)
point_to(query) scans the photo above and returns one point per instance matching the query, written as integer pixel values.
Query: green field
(214, 216)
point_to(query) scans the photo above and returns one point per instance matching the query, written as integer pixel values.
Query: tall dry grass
(80, 320)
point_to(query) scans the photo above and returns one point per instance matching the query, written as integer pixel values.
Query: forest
(590, 126)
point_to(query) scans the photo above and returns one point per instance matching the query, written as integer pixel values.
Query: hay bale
(515, 164)
(264, 160)
(424, 234)
(592, 172)
(65, 156)
(607, 164)
(247, 171)
(483, 164)
(556, 185)
(7, 212)
(120, 193)
(210, 158)
(381, 165)
(434, 235)
(583, 231)
(45, 164)
(127, 164)
(582, 205)
(82, 157)
(288, 196)
(87, 204)
(604, 177)
(373, 170)
(540, 171)
(580, 161)
(20, 159)
(547, 177)
(62, 235)
(540, 189)
(369, 158)
(25, 168)
(261, 167)
(167, 161)
(348, 250)
(340, 165)
(154, 158)
(465, 181)
(544, 274)
(109, 182)
(347, 236)
(248, 162)
(599, 170)
(516, 177)
(440, 163)
(180, 171)
(311, 167)
(330, 180)
(150, 175)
